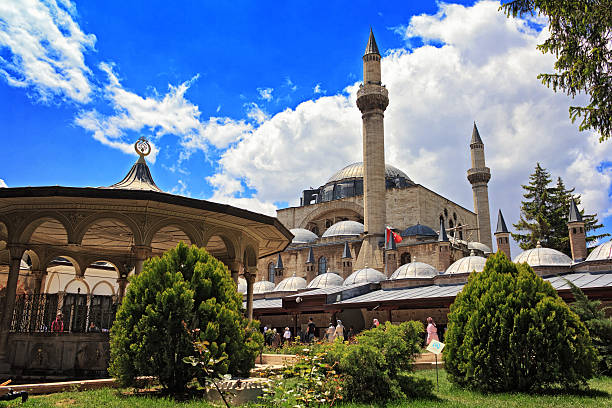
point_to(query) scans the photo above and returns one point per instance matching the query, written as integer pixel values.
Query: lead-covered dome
(364, 275)
(355, 170)
(291, 284)
(326, 280)
(468, 264)
(601, 252)
(419, 230)
(539, 256)
(303, 236)
(414, 270)
(263, 286)
(478, 246)
(344, 228)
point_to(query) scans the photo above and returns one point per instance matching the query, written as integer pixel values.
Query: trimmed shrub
(508, 330)
(185, 290)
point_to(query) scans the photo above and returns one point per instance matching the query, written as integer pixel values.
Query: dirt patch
(65, 402)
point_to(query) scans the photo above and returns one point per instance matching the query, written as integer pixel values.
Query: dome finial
(142, 146)
(472, 253)
(538, 244)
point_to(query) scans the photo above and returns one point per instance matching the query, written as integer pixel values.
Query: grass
(449, 396)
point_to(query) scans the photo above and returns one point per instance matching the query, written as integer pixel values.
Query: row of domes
(538, 256)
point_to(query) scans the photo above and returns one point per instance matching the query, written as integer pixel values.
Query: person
(339, 332)
(329, 335)
(276, 340)
(432, 330)
(58, 324)
(351, 333)
(93, 328)
(375, 323)
(286, 335)
(311, 330)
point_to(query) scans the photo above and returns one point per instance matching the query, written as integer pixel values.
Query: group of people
(57, 326)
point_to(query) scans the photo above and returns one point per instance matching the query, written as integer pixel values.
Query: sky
(248, 103)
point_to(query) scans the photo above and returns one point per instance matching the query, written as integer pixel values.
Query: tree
(580, 38)
(508, 330)
(600, 327)
(185, 290)
(545, 212)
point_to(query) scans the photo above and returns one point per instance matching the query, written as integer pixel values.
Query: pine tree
(535, 211)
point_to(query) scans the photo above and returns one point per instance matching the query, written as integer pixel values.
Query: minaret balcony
(372, 97)
(479, 174)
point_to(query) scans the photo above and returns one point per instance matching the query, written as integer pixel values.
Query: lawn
(448, 396)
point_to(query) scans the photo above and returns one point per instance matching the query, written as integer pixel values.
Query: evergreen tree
(545, 212)
(535, 211)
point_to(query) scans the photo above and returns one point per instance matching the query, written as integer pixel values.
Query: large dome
(601, 252)
(419, 230)
(414, 270)
(364, 276)
(468, 264)
(539, 256)
(355, 170)
(326, 280)
(263, 286)
(290, 284)
(344, 228)
(302, 236)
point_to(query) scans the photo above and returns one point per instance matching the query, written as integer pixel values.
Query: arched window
(322, 265)
(441, 219)
(450, 226)
(406, 258)
(314, 229)
(460, 231)
(328, 223)
(271, 271)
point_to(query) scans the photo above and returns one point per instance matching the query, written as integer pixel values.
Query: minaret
(479, 175)
(372, 100)
(577, 233)
(502, 235)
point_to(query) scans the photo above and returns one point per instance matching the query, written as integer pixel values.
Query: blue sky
(251, 102)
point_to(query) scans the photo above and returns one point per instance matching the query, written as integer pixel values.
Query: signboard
(435, 347)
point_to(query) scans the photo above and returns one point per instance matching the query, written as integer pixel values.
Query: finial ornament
(142, 147)
(539, 244)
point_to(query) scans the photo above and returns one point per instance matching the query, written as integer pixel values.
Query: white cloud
(181, 189)
(157, 115)
(255, 113)
(2, 184)
(46, 49)
(481, 67)
(290, 84)
(265, 93)
(317, 89)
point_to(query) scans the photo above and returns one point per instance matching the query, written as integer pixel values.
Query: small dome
(419, 229)
(468, 264)
(539, 256)
(414, 270)
(303, 236)
(355, 170)
(290, 284)
(326, 280)
(364, 276)
(479, 247)
(601, 252)
(242, 285)
(263, 286)
(343, 228)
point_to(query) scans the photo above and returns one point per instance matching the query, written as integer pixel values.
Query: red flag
(390, 233)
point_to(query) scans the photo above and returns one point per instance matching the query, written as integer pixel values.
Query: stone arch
(250, 256)
(37, 220)
(53, 283)
(77, 283)
(76, 263)
(334, 207)
(85, 225)
(226, 237)
(101, 284)
(187, 230)
(91, 261)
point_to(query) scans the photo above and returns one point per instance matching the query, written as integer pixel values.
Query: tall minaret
(372, 100)
(479, 175)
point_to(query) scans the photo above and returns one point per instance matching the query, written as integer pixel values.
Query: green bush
(183, 291)
(376, 366)
(508, 330)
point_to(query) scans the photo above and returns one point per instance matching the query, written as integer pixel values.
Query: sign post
(436, 348)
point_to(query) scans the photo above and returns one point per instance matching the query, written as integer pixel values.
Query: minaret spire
(479, 176)
(372, 100)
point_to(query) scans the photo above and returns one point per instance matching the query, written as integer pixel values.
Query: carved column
(234, 267)
(141, 253)
(15, 253)
(122, 282)
(249, 276)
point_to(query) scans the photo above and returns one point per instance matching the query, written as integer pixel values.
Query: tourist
(339, 332)
(58, 324)
(276, 339)
(93, 328)
(311, 330)
(286, 335)
(351, 333)
(432, 330)
(375, 323)
(329, 335)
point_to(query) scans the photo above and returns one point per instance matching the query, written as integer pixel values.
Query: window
(441, 219)
(328, 223)
(445, 212)
(450, 226)
(322, 265)
(460, 231)
(406, 258)
(314, 229)
(271, 271)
